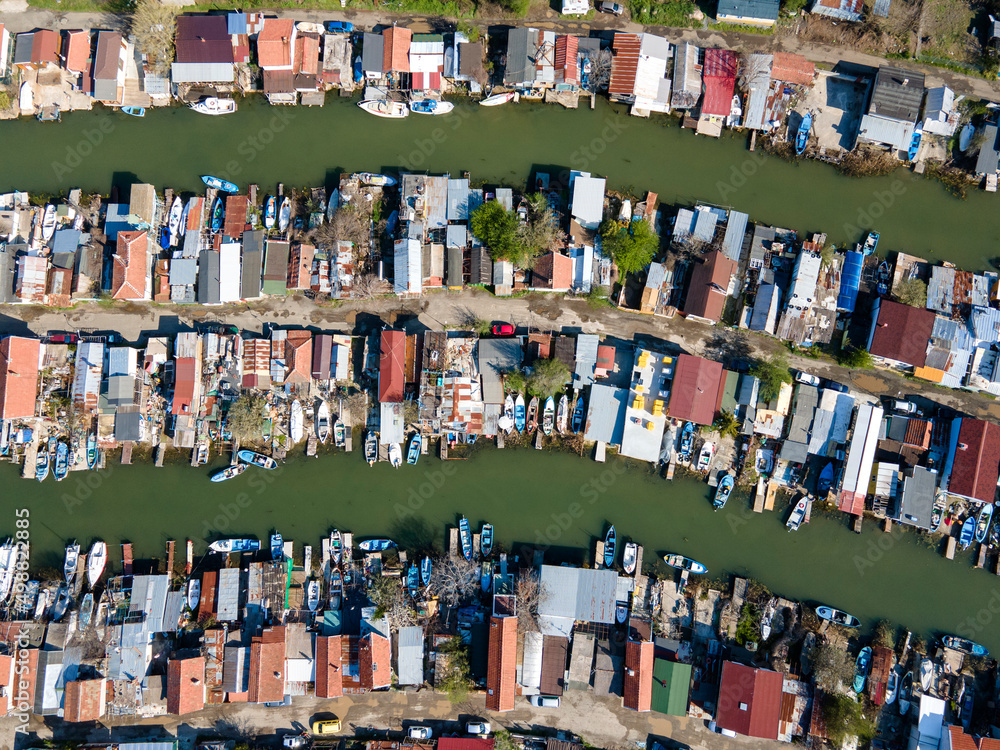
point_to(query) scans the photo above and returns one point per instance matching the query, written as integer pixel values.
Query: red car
(502, 329)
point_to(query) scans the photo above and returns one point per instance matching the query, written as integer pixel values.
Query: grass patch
(663, 12)
(740, 28)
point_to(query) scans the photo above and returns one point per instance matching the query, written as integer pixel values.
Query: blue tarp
(850, 281)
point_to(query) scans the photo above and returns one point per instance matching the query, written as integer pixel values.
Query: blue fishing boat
(425, 571)
(861, 669)
(911, 152)
(164, 238)
(413, 453)
(86, 610)
(870, 244)
(277, 546)
(486, 540)
(229, 472)
(837, 617)
(519, 420)
(968, 532)
(825, 481)
(218, 214)
(358, 72)
(883, 277)
(579, 412)
(964, 645)
(134, 111)
(235, 545)
(684, 563)
(376, 545)
(431, 107)
(256, 459)
(465, 536)
(413, 580)
(219, 184)
(41, 464)
(61, 468)
(610, 547)
(270, 211)
(687, 442)
(983, 523)
(723, 492)
(377, 180)
(802, 136)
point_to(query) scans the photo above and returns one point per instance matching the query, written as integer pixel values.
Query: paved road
(602, 722)
(457, 310)
(18, 16)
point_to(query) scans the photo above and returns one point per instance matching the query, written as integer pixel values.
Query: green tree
(845, 718)
(514, 380)
(832, 666)
(632, 248)
(495, 226)
(246, 417)
(727, 424)
(541, 233)
(855, 357)
(771, 372)
(885, 634)
(481, 326)
(912, 292)
(503, 741)
(4, 100)
(455, 679)
(548, 377)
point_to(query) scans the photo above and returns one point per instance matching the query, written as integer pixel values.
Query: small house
(37, 50)
(639, 72)
(941, 115)
(109, 67)
(893, 109)
(719, 77)
(971, 469)
(709, 287)
(899, 334)
(426, 55)
(18, 377)
(76, 56)
(185, 685)
(276, 58)
(522, 44)
(749, 701)
(372, 56)
(203, 51)
(396, 50)
(130, 267)
(759, 13)
(502, 665)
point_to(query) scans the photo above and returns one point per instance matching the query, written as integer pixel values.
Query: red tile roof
(298, 355)
(696, 392)
(960, 740)
(83, 700)
(109, 53)
(274, 43)
(185, 685)
(878, 676)
(18, 377)
(131, 265)
(396, 49)
(267, 666)
(567, 49)
(307, 54)
(977, 457)
(8, 680)
(45, 47)
(719, 76)
(624, 63)
(989, 743)
(749, 701)
(374, 656)
(184, 375)
(792, 68)
(605, 360)
(901, 333)
(706, 295)
(918, 433)
(553, 271)
(391, 372)
(329, 673)
(203, 39)
(76, 51)
(502, 666)
(638, 684)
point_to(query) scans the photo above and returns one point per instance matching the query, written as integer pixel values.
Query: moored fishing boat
(861, 666)
(705, 456)
(386, 108)
(937, 511)
(968, 532)
(312, 595)
(519, 413)
(48, 223)
(323, 422)
(336, 546)
(339, 433)
(431, 107)
(284, 214)
(465, 537)
(837, 617)
(395, 455)
(798, 514)
(532, 422)
(425, 571)
(376, 545)
(214, 105)
(229, 472)
(226, 546)
(610, 547)
(134, 111)
(371, 448)
(277, 546)
(506, 420)
(86, 610)
(891, 687)
(687, 442)
(825, 480)
(629, 557)
(61, 468)
(256, 459)
(219, 184)
(10, 553)
(486, 576)
(982, 523)
(41, 464)
(684, 563)
(295, 421)
(193, 594)
(336, 590)
(906, 692)
(883, 277)
(926, 674)
(174, 220)
(413, 579)
(486, 540)
(562, 414)
(413, 452)
(61, 602)
(548, 416)
(802, 134)
(767, 619)
(270, 211)
(97, 558)
(723, 491)
(71, 560)
(218, 215)
(579, 414)
(91, 450)
(621, 612)
(376, 180)
(964, 645)
(870, 243)
(497, 99)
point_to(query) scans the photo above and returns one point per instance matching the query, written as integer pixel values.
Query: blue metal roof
(850, 281)
(236, 23)
(985, 325)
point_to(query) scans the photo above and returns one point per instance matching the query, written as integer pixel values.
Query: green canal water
(307, 146)
(554, 500)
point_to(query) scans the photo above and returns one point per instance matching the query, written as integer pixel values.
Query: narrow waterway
(555, 500)
(309, 146)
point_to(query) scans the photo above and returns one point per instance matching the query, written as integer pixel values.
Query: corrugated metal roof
(587, 204)
(520, 69)
(624, 63)
(736, 229)
(586, 359)
(497, 356)
(891, 132)
(202, 72)
(531, 663)
(411, 655)
(578, 593)
(766, 10)
(373, 50)
(897, 94)
(229, 595)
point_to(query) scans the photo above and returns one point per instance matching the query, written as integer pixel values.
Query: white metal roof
(588, 199)
(229, 272)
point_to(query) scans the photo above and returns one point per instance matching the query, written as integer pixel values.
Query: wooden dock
(638, 562)
(499, 439)
(171, 544)
(538, 440)
(981, 557)
(161, 451)
(856, 524)
(189, 564)
(126, 558)
(600, 452)
(127, 453)
(671, 468)
(760, 496)
(452, 540)
(311, 444)
(949, 551)
(599, 555)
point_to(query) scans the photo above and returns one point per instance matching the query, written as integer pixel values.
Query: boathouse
(109, 67)
(857, 472)
(204, 50)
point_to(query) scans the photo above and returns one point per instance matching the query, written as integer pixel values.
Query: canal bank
(555, 501)
(310, 146)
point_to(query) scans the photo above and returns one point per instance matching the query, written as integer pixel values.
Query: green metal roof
(729, 402)
(671, 685)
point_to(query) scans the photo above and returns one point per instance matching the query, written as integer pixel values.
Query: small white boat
(336, 546)
(431, 107)
(48, 223)
(295, 421)
(306, 27)
(284, 214)
(10, 553)
(96, 560)
(174, 222)
(193, 594)
(323, 422)
(629, 557)
(891, 688)
(387, 108)
(498, 99)
(312, 595)
(213, 105)
(705, 457)
(926, 674)
(798, 514)
(395, 455)
(71, 560)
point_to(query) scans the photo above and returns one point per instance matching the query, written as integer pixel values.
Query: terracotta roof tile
(391, 372)
(502, 665)
(18, 377)
(274, 43)
(374, 656)
(901, 333)
(624, 64)
(185, 685)
(267, 666)
(706, 296)
(792, 68)
(719, 76)
(638, 683)
(749, 701)
(329, 671)
(977, 460)
(128, 274)
(76, 51)
(298, 355)
(396, 49)
(83, 700)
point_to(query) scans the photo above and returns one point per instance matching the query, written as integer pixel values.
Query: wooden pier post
(856, 524)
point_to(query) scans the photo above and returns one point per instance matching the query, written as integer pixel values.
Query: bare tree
(456, 580)
(600, 70)
(393, 602)
(753, 65)
(153, 24)
(528, 594)
(370, 286)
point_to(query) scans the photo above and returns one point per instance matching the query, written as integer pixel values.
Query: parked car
(328, 726)
(544, 701)
(615, 9)
(806, 378)
(502, 329)
(477, 727)
(904, 407)
(333, 27)
(420, 733)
